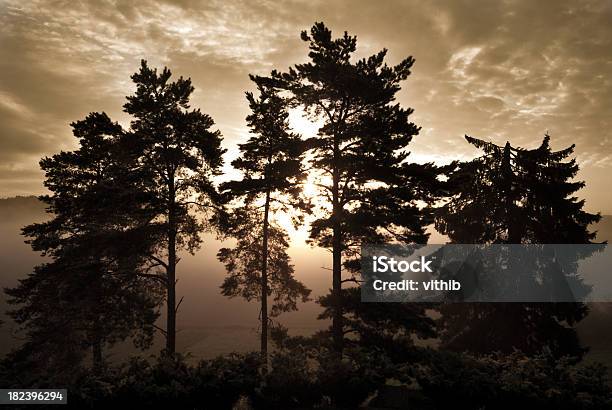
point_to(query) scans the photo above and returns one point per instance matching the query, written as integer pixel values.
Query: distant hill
(21, 209)
(604, 229)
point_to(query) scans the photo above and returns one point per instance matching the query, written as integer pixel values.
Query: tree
(92, 292)
(178, 154)
(368, 190)
(554, 213)
(271, 162)
(244, 264)
(515, 195)
(387, 327)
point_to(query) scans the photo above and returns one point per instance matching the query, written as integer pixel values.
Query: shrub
(290, 383)
(512, 381)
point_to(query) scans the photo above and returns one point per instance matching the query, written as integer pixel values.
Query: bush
(218, 383)
(290, 383)
(350, 381)
(304, 377)
(512, 381)
(169, 382)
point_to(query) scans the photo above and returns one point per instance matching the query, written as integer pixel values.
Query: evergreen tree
(555, 215)
(271, 162)
(368, 190)
(92, 293)
(244, 264)
(388, 327)
(178, 154)
(515, 195)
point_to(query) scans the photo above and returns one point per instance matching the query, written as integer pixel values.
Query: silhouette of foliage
(177, 154)
(91, 294)
(243, 264)
(515, 195)
(368, 190)
(390, 327)
(510, 381)
(271, 164)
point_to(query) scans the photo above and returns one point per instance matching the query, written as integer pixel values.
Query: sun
(301, 124)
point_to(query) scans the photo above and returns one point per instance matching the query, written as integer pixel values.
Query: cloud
(503, 70)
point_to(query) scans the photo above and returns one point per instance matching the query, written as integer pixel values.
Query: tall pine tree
(271, 164)
(178, 154)
(368, 190)
(93, 292)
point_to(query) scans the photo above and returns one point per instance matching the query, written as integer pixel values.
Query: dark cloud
(494, 69)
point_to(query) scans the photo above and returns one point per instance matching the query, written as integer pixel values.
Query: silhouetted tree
(244, 266)
(92, 293)
(178, 154)
(388, 327)
(368, 190)
(271, 162)
(515, 195)
(553, 213)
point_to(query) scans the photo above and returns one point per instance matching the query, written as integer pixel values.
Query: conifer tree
(178, 153)
(271, 164)
(555, 215)
(515, 195)
(245, 268)
(368, 190)
(93, 291)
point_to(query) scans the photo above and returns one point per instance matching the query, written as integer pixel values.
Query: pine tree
(368, 190)
(244, 264)
(515, 195)
(92, 292)
(178, 154)
(555, 214)
(388, 327)
(271, 163)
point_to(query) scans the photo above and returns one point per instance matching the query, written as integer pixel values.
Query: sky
(498, 70)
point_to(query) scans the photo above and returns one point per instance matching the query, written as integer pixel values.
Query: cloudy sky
(499, 70)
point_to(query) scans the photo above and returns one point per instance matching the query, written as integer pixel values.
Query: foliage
(289, 383)
(368, 190)
(307, 376)
(177, 153)
(271, 159)
(350, 381)
(391, 327)
(92, 292)
(169, 382)
(304, 377)
(271, 164)
(510, 381)
(515, 195)
(243, 264)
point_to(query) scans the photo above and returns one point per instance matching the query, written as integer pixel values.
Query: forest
(129, 201)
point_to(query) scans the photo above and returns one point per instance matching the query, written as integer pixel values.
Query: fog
(209, 323)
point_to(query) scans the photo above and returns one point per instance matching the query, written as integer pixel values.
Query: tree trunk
(171, 276)
(97, 333)
(337, 325)
(97, 356)
(171, 302)
(264, 282)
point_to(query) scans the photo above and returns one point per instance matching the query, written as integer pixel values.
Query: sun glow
(301, 124)
(299, 234)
